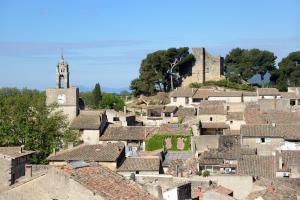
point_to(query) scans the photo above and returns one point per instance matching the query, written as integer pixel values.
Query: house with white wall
(90, 124)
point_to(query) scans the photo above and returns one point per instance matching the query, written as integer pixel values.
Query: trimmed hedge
(157, 142)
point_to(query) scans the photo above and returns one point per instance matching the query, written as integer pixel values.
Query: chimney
(280, 163)
(125, 110)
(273, 124)
(28, 171)
(54, 151)
(21, 149)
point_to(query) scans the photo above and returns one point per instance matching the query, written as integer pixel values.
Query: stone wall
(274, 104)
(205, 68)
(263, 148)
(5, 171)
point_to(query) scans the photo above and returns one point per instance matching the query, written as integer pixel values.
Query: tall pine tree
(96, 95)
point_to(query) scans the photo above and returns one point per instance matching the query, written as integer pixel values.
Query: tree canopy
(242, 64)
(155, 71)
(97, 100)
(26, 120)
(96, 96)
(288, 73)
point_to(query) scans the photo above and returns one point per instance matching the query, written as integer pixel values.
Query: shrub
(199, 173)
(180, 119)
(205, 173)
(224, 83)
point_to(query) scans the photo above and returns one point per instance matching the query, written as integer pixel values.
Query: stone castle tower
(205, 68)
(63, 94)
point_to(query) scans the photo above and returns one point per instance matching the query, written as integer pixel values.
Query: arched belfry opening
(62, 74)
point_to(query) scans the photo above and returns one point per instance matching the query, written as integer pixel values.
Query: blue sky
(105, 41)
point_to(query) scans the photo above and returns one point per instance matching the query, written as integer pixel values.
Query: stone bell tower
(66, 96)
(62, 74)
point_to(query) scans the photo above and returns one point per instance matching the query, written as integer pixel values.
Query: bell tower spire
(62, 73)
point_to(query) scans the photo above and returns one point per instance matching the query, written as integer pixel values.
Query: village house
(267, 138)
(211, 111)
(13, 163)
(182, 96)
(288, 163)
(133, 137)
(235, 120)
(224, 158)
(120, 118)
(110, 155)
(158, 114)
(90, 124)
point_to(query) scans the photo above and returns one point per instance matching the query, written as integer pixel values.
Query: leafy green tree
(155, 71)
(242, 64)
(96, 95)
(26, 120)
(112, 101)
(288, 73)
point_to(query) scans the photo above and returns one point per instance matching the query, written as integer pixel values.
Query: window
(186, 100)
(298, 101)
(293, 102)
(210, 119)
(197, 100)
(115, 119)
(167, 114)
(231, 122)
(174, 99)
(262, 140)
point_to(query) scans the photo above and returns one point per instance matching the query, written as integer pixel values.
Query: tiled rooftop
(286, 131)
(99, 153)
(124, 133)
(90, 120)
(254, 165)
(140, 164)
